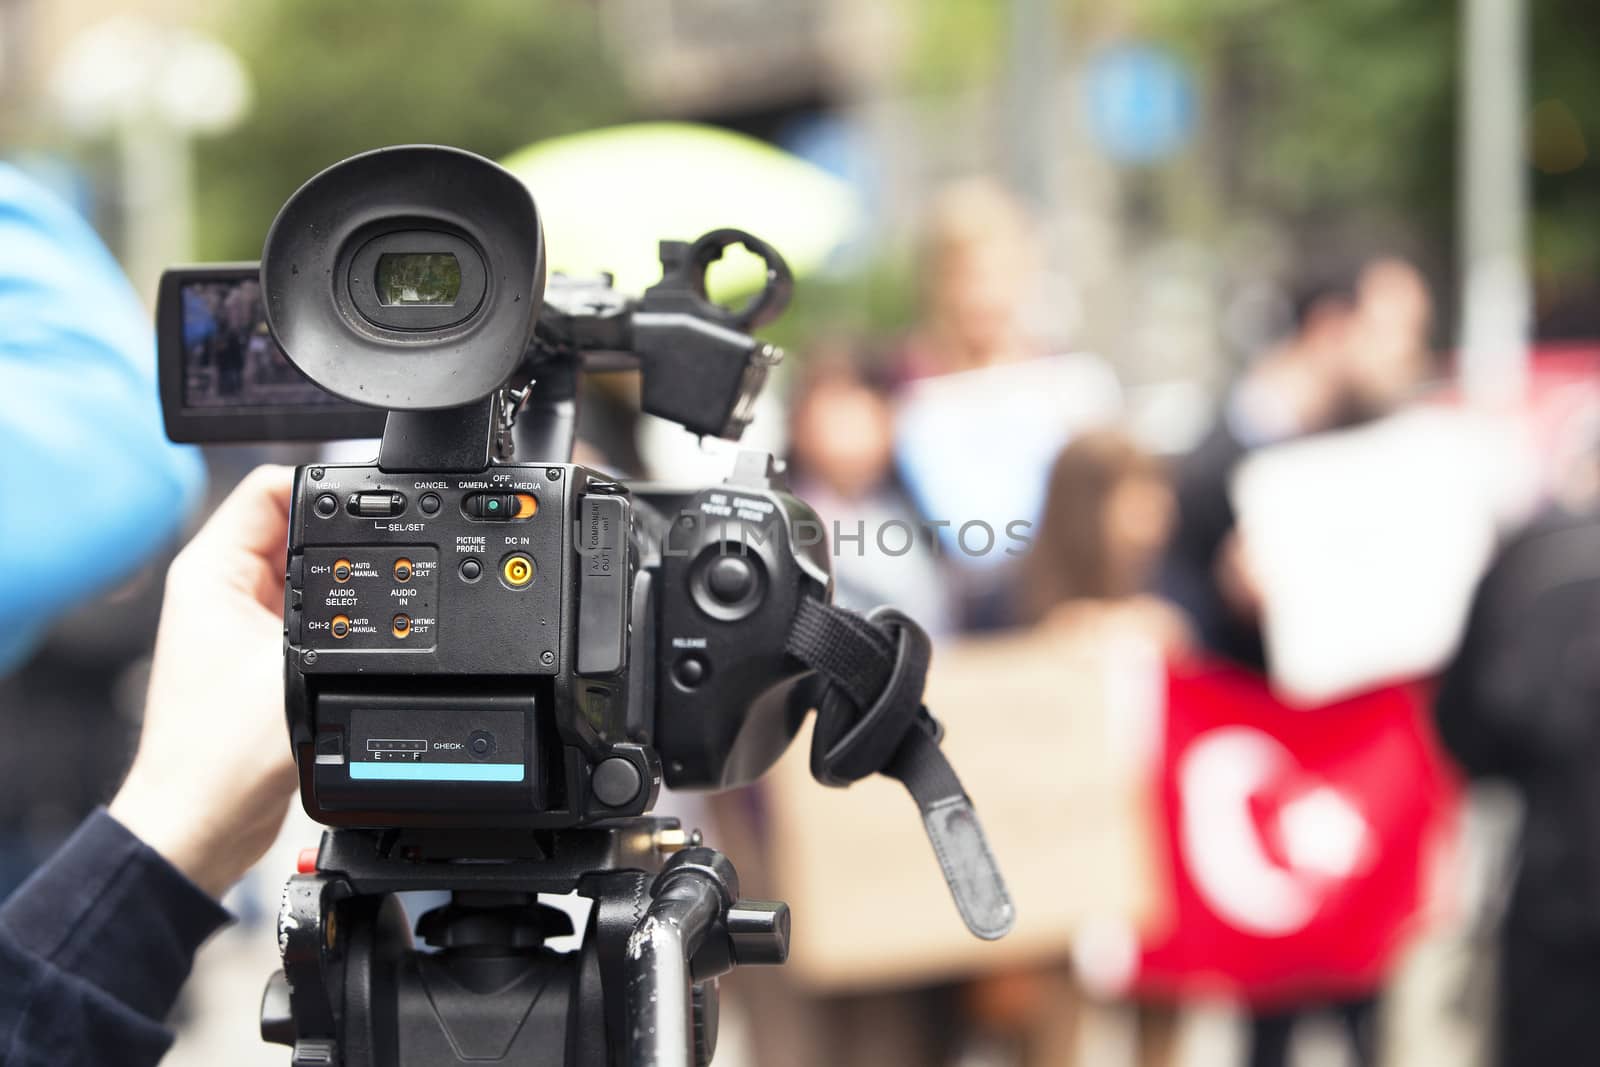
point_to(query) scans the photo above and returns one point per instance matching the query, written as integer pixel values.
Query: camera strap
(870, 672)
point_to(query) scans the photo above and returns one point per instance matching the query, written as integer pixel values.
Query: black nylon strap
(920, 763)
(844, 648)
(873, 670)
(871, 719)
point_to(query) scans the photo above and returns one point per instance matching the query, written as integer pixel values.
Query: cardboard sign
(1055, 780)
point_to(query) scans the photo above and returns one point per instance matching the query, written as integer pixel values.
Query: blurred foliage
(955, 44)
(1346, 114)
(876, 302)
(1565, 95)
(1326, 111)
(334, 79)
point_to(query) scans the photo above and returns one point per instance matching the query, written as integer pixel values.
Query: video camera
(494, 657)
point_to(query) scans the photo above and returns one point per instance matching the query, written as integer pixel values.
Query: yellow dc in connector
(517, 570)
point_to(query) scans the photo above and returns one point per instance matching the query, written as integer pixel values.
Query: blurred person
(1108, 512)
(1389, 355)
(1293, 389)
(1521, 703)
(96, 944)
(1357, 349)
(79, 413)
(78, 410)
(241, 311)
(979, 263)
(973, 368)
(841, 434)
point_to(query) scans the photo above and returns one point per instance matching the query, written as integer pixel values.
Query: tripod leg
(660, 1002)
(694, 929)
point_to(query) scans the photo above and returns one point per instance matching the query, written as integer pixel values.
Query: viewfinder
(418, 279)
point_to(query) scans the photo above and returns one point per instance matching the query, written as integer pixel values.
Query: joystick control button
(727, 584)
(730, 579)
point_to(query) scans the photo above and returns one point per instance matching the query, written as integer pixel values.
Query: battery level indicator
(391, 748)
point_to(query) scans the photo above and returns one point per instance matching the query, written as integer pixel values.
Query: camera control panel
(425, 574)
(370, 596)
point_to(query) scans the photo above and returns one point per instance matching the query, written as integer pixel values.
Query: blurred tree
(1341, 113)
(1341, 119)
(1564, 148)
(876, 301)
(955, 45)
(334, 79)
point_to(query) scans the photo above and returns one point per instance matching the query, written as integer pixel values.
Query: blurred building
(781, 68)
(738, 58)
(34, 34)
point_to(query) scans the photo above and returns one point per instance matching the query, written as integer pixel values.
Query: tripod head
(665, 922)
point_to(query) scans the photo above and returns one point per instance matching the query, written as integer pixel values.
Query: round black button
(616, 782)
(690, 670)
(326, 505)
(470, 569)
(730, 579)
(429, 504)
(481, 744)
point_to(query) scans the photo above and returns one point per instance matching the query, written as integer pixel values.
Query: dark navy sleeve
(93, 950)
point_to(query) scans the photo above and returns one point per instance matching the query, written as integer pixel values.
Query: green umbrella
(607, 196)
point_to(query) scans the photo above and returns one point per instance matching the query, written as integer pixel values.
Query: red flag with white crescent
(1297, 840)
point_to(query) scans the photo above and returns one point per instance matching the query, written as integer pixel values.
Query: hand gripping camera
(494, 657)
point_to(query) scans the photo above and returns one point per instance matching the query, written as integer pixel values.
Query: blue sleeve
(93, 950)
(89, 485)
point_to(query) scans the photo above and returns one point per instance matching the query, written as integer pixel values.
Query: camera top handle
(698, 364)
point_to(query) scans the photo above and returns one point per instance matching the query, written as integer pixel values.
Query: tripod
(665, 922)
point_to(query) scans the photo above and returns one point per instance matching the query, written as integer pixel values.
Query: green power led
(492, 504)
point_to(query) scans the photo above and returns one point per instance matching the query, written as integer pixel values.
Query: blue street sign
(1140, 100)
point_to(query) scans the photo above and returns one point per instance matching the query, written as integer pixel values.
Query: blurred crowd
(227, 343)
(1126, 545)
(1122, 545)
